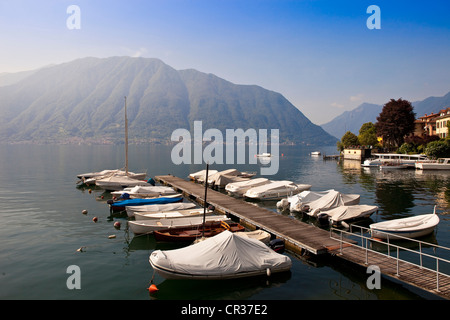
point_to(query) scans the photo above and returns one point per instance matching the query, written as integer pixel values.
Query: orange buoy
(95, 219)
(152, 288)
(90, 191)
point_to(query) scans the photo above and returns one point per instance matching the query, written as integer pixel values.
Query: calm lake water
(42, 226)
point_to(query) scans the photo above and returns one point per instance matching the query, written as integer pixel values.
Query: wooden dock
(410, 274)
(300, 237)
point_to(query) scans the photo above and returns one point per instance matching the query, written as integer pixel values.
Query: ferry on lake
(378, 159)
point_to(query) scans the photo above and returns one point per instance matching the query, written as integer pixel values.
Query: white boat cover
(321, 200)
(171, 214)
(200, 175)
(159, 207)
(276, 190)
(223, 256)
(146, 190)
(242, 186)
(343, 213)
(148, 226)
(409, 224)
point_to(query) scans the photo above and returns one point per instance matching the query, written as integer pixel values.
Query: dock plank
(301, 236)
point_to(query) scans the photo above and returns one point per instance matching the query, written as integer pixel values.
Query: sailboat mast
(126, 138)
(205, 203)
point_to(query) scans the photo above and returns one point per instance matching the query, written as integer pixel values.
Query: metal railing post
(398, 253)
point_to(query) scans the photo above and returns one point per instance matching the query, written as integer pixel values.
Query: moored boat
(411, 227)
(239, 188)
(224, 256)
(171, 214)
(275, 190)
(152, 208)
(121, 205)
(144, 191)
(191, 233)
(347, 213)
(311, 201)
(440, 164)
(149, 226)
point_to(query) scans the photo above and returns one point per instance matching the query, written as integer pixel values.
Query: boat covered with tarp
(224, 256)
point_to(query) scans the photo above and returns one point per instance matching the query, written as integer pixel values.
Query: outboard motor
(323, 218)
(277, 245)
(151, 181)
(124, 196)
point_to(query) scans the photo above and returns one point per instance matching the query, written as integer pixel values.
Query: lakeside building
(433, 124)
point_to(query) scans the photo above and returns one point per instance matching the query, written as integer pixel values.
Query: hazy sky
(319, 54)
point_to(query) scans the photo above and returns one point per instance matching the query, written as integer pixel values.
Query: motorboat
(315, 153)
(275, 190)
(224, 256)
(309, 201)
(194, 232)
(411, 227)
(239, 188)
(347, 213)
(144, 192)
(150, 226)
(200, 175)
(171, 214)
(89, 178)
(440, 164)
(121, 205)
(222, 178)
(378, 159)
(114, 183)
(153, 208)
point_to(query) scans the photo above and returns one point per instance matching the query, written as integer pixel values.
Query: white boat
(148, 226)
(381, 158)
(222, 178)
(312, 203)
(315, 153)
(144, 191)
(153, 208)
(440, 164)
(200, 175)
(347, 213)
(115, 183)
(171, 214)
(239, 188)
(259, 235)
(89, 178)
(275, 190)
(224, 256)
(387, 166)
(411, 227)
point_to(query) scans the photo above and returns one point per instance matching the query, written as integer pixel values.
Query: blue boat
(120, 205)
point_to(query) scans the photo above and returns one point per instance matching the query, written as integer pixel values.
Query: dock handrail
(337, 234)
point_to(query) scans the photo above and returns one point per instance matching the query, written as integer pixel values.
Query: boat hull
(191, 233)
(412, 227)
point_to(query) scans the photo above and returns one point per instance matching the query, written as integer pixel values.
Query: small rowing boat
(191, 233)
(411, 227)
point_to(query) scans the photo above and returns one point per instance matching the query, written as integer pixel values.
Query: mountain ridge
(83, 100)
(368, 112)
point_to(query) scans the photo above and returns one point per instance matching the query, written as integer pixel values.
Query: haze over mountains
(83, 100)
(368, 112)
